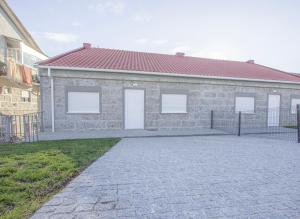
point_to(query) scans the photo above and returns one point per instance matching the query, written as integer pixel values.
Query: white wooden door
(273, 110)
(134, 109)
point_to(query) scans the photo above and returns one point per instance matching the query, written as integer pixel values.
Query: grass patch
(31, 173)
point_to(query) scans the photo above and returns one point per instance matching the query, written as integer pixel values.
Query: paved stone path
(45, 136)
(186, 177)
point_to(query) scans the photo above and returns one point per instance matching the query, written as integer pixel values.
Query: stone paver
(186, 177)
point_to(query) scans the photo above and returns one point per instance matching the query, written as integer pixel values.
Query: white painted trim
(167, 74)
(22, 57)
(82, 112)
(31, 51)
(52, 104)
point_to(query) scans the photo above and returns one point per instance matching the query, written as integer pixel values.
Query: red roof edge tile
(294, 74)
(54, 58)
(275, 69)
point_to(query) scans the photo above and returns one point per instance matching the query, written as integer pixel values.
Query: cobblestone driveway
(186, 177)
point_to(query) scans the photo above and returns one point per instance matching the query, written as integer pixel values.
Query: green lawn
(31, 173)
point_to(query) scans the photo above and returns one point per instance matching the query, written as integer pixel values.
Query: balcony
(14, 54)
(11, 67)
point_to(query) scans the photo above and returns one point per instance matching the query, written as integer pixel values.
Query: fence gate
(20, 128)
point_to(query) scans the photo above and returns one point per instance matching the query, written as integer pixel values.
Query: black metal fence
(278, 123)
(20, 128)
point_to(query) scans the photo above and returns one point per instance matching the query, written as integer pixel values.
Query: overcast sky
(267, 31)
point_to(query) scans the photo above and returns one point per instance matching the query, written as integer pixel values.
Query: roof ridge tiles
(169, 55)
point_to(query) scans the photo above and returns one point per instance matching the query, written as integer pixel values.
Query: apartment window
(294, 103)
(174, 103)
(244, 104)
(2, 55)
(14, 54)
(25, 96)
(2, 49)
(83, 102)
(6, 90)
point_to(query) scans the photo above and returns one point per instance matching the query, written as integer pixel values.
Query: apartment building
(19, 81)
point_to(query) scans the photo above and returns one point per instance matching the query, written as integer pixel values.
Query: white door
(273, 110)
(134, 109)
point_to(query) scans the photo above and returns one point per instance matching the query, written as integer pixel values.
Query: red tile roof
(111, 59)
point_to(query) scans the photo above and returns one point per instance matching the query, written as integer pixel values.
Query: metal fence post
(24, 128)
(211, 119)
(41, 121)
(298, 122)
(239, 123)
(37, 126)
(29, 129)
(9, 129)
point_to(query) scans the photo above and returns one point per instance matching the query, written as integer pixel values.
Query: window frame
(7, 91)
(246, 95)
(82, 89)
(25, 99)
(174, 92)
(291, 102)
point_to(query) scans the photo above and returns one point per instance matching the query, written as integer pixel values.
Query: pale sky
(267, 31)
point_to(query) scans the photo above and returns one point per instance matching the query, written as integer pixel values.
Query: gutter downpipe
(52, 99)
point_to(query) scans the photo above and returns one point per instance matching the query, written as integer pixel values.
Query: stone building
(105, 89)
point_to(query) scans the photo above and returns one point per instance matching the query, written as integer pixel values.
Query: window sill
(83, 113)
(252, 113)
(174, 113)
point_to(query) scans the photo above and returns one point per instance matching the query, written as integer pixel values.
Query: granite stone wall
(12, 104)
(204, 95)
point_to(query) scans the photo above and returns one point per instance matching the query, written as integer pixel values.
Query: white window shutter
(244, 104)
(294, 104)
(174, 103)
(83, 102)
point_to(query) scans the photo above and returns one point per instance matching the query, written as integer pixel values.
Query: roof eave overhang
(166, 74)
(23, 31)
